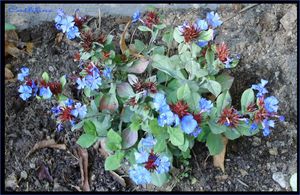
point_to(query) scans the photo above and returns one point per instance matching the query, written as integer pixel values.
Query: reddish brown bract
(223, 52)
(190, 33)
(180, 108)
(230, 117)
(150, 164)
(66, 114)
(55, 87)
(151, 18)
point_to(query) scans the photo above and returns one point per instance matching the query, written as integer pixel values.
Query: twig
(132, 35)
(241, 182)
(242, 10)
(99, 20)
(196, 159)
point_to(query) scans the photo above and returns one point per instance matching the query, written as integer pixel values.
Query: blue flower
(188, 124)
(56, 110)
(147, 143)
(140, 175)
(60, 14)
(183, 26)
(227, 62)
(266, 125)
(213, 19)
(24, 73)
(166, 118)
(196, 132)
(281, 118)
(107, 72)
(202, 24)
(205, 105)
(45, 92)
(59, 127)
(67, 23)
(136, 16)
(34, 88)
(81, 83)
(72, 32)
(25, 92)
(271, 104)
(93, 81)
(141, 157)
(253, 127)
(202, 43)
(79, 110)
(163, 164)
(159, 101)
(260, 88)
(69, 102)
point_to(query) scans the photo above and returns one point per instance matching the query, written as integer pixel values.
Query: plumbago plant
(147, 106)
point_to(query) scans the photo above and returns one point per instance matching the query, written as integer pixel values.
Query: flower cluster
(38, 88)
(175, 114)
(92, 77)
(68, 111)
(151, 18)
(66, 24)
(148, 162)
(266, 109)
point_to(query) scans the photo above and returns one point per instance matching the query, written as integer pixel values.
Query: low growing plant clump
(149, 107)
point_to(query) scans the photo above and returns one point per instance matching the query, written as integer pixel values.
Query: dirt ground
(265, 36)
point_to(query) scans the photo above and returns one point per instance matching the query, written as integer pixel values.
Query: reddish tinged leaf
(139, 66)
(129, 138)
(218, 159)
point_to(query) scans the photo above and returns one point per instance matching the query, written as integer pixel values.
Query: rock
(11, 182)
(289, 18)
(293, 182)
(273, 151)
(24, 175)
(243, 172)
(51, 69)
(279, 178)
(256, 141)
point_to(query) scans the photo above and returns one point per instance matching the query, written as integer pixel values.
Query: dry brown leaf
(44, 144)
(59, 38)
(83, 163)
(29, 48)
(219, 158)
(12, 50)
(8, 74)
(123, 45)
(118, 178)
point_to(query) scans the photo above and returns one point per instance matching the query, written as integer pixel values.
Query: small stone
(289, 18)
(293, 182)
(256, 141)
(279, 178)
(273, 151)
(51, 69)
(11, 182)
(24, 175)
(243, 172)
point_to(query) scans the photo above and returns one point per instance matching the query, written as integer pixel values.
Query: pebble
(24, 175)
(273, 151)
(293, 182)
(289, 18)
(279, 178)
(243, 172)
(256, 141)
(51, 69)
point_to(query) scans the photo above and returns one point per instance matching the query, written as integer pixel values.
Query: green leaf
(183, 92)
(158, 131)
(114, 140)
(45, 77)
(215, 144)
(109, 39)
(87, 92)
(160, 26)
(185, 145)
(94, 106)
(159, 50)
(124, 90)
(139, 45)
(176, 136)
(159, 179)
(193, 68)
(193, 101)
(144, 29)
(85, 56)
(89, 128)
(244, 129)
(126, 115)
(177, 36)
(86, 140)
(62, 98)
(168, 37)
(195, 50)
(225, 80)
(163, 63)
(9, 26)
(213, 86)
(215, 128)
(182, 47)
(232, 134)
(204, 133)
(206, 35)
(102, 124)
(113, 162)
(247, 99)
(77, 126)
(209, 57)
(223, 101)
(63, 80)
(160, 145)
